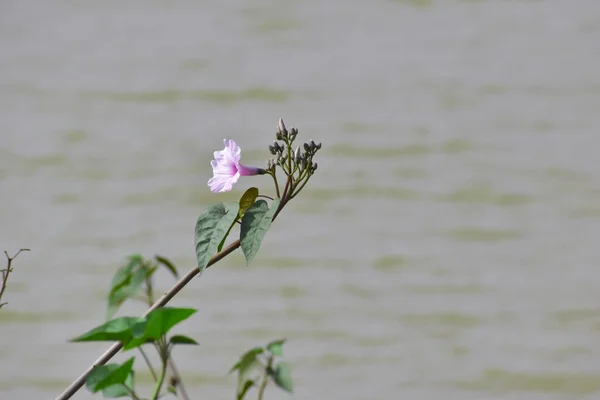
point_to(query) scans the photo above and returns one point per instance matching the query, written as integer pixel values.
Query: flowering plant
(134, 280)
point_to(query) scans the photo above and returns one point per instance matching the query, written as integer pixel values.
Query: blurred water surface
(447, 248)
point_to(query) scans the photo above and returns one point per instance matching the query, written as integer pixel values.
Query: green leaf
(247, 199)
(248, 359)
(167, 264)
(119, 390)
(181, 339)
(276, 347)
(244, 389)
(255, 223)
(125, 283)
(210, 230)
(105, 376)
(282, 376)
(246, 365)
(158, 323)
(232, 207)
(119, 329)
(235, 367)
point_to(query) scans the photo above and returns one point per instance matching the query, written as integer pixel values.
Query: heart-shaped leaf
(118, 329)
(211, 228)
(255, 224)
(104, 376)
(158, 323)
(282, 376)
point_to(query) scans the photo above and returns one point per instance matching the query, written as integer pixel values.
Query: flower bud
(272, 150)
(298, 155)
(319, 146)
(278, 135)
(312, 144)
(293, 133)
(306, 147)
(314, 167)
(282, 127)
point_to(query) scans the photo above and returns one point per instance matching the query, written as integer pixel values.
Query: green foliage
(167, 264)
(245, 367)
(114, 380)
(181, 339)
(247, 199)
(276, 347)
(126, 282)
(244, 389)
(258, 366)
(118, 329)
(282, 376)
(255, 223)
(233, 208)
(158, 323)
(261, 361)
(211, 229)
(131, 277)
(135, 331)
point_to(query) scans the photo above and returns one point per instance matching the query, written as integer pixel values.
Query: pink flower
(227, 168)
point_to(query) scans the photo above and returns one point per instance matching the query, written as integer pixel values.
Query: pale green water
(446, 249)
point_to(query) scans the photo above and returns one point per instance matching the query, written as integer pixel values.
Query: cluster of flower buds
(291, 160)
(283, 134)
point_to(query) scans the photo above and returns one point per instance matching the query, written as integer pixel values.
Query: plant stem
(276, 183)
(164, 357)
(148, 363)
(133, 395)
(265, 379)
(162, 301)
(179, 381)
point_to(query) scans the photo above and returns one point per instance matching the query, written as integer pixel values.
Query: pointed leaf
(282, 376)
(255, 223)
(234, 208)
(125, 283)
(245, 366)
(120, 390)
(247, 199)
(167, 264)
(158, 323)
(119, 329)
(103, 376)
(244, 389)
(235, 367)
(211, 227)
(248, 359)
(181, 339)
(276, 347)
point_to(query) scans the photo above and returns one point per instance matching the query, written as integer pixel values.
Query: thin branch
(162, 301)
(7, 271)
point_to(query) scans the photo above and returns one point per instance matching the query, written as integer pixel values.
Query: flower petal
(232, 150)
(222, 183)
(227, 169)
